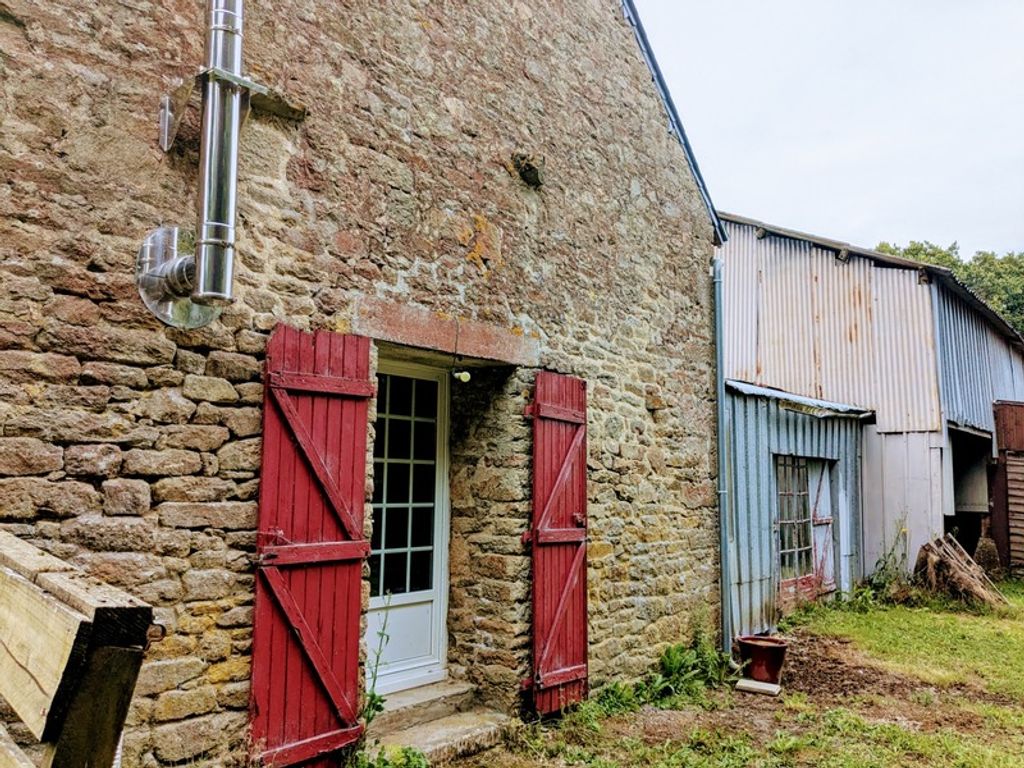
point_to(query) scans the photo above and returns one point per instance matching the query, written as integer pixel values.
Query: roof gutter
(675, 124)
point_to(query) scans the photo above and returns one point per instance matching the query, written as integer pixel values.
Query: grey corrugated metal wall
(978, 365)
(758, 429)
(800, 320)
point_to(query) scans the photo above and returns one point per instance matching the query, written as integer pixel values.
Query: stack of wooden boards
(70, 652)
(943, 566)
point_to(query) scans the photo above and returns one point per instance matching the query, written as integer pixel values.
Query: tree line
(998, 280)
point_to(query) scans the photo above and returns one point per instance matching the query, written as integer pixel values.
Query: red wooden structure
(559, 537)
(305, 664)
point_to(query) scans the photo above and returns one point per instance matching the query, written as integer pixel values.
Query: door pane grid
(795, 540)
(404, 507)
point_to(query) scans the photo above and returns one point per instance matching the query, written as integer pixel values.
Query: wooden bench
(70, 652)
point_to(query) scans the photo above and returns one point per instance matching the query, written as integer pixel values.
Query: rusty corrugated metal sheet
(741, 277)
(846, 336)
(758, 428)
(798, 318)
(907, 386)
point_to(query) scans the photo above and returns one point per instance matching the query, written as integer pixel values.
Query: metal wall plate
(162, 264)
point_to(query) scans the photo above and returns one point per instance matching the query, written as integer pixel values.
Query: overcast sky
(862, 120)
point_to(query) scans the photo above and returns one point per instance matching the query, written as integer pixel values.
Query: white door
(406, 633)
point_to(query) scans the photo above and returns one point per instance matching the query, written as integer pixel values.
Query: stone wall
(132, 449)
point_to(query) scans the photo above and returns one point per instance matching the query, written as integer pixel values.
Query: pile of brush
(944, 567)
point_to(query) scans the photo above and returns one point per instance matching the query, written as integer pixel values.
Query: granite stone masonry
(133, 450)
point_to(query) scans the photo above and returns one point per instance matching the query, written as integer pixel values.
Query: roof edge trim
(805, 404)
(675, 124)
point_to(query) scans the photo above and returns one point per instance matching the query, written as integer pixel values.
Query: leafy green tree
(998, 280)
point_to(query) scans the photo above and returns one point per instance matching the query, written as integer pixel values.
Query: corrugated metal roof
(978, 365)
(799, 319)
(675, 124)
(943, 275)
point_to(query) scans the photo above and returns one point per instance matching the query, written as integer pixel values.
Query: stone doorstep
(424, 704)
(464, 733)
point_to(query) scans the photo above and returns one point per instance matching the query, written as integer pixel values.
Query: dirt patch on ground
(828, 668)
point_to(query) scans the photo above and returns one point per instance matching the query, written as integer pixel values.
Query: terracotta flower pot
(762, 657)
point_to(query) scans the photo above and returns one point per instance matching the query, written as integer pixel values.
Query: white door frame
(423, 670)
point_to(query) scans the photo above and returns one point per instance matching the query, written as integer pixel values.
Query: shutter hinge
(530, 411)
(527, 537)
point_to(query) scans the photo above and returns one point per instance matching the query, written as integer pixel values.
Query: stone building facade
(394, 210)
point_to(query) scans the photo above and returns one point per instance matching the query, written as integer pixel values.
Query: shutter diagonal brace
(563, 477)
(559, 617)
(316, 463)
(307, 641)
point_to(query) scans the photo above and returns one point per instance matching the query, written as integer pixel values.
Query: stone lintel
(416, 326)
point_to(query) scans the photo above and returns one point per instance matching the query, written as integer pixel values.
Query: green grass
(939, 645)
(915, 725)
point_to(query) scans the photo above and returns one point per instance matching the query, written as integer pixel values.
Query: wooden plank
(320, 384)
(311, 554)
(42, 648)
(27, 560)
(117, 617)
(11, 755)
(90, 731)
(318, 746)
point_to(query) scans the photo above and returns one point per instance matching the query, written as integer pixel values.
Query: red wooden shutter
(305, 663)
(559, 537)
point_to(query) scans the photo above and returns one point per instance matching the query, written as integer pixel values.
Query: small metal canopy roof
(808, 405)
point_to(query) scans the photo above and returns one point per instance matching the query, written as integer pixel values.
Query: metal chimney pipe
(223, 111)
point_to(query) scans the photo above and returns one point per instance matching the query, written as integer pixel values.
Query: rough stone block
(177, 705)
(26, 497)
(113, 374)
(121, 345)
(179, 741)
(234, 695)
(230, 515)
(192, 488)
(172, 461)
(235, 668)
(236, 617)
(126, 497)
(196, 437)
(209, 388)
(19, 366)
(166, 406)
(243, 455)
(211, 584)
(28, 456)
(109, 534)
(103, 460)
(232, 366)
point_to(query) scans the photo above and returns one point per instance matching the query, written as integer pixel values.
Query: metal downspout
(723, 480)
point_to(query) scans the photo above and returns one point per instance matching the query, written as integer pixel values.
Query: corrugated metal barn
(873, 372)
